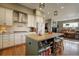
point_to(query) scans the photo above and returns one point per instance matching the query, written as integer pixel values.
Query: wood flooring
(14, 51)
(71, 48)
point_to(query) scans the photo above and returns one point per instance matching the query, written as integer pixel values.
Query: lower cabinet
(23, 36)
(12, 40)
(5, 41)
(14, 43)
(0, 41)
(9, 40)
(18, 39)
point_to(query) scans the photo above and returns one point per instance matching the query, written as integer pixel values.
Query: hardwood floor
(71, 48)
(14, 51)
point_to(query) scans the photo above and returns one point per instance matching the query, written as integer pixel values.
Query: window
(75, 24)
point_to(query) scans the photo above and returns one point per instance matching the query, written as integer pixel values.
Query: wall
(60, 23)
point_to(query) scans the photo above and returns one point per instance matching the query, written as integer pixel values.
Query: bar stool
(58, 46)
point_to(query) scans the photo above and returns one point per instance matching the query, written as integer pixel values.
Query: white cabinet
(18, 39)
(5, 41)
(9, 17)
(2, 16)
(23, 36)
(0, 41)
(9, 40)
(6, 16)
(31, 21)
(12, 40)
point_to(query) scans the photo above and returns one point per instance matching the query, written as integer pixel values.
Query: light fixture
(62, 7)
(48, 12)
(40, 8)
(41, 5)
(55, 13)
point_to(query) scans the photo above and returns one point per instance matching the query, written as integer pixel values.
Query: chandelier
(41, 5)
(55, 13)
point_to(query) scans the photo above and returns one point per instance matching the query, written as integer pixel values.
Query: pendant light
(41, 5)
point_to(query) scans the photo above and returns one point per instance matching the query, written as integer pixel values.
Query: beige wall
(17, 7)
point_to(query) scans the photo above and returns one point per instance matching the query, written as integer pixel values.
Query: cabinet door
(17, 39)
(0, 41)
(5, 41)
(2, 16)
(23, 37)
(12, 40)
(9, 16)
(30, 21)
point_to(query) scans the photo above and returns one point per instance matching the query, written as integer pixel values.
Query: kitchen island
(42, 45)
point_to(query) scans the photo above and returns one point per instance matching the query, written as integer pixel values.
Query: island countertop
(44, 36)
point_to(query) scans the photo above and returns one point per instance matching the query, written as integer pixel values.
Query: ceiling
(66, 11)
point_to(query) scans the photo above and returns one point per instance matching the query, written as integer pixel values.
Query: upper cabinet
(9, 17)
(31, 21)
(6, 16)
(19, 17)
(2, 16)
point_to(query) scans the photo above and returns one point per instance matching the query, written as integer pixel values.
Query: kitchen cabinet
(6, 16)
(12, 40)
(20, 38)
(17, 39)
(2, 16)
(9, 17)
(22, 18)
(23, 36)
(31, 21)
(5, 40)
(0, 41)
(19, 17)
(9, 40)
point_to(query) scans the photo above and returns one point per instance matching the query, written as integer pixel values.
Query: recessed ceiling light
(44, 15)
(40, 8)
(62, 7)
(48, 12)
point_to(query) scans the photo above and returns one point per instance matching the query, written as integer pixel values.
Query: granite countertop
(43, 37)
